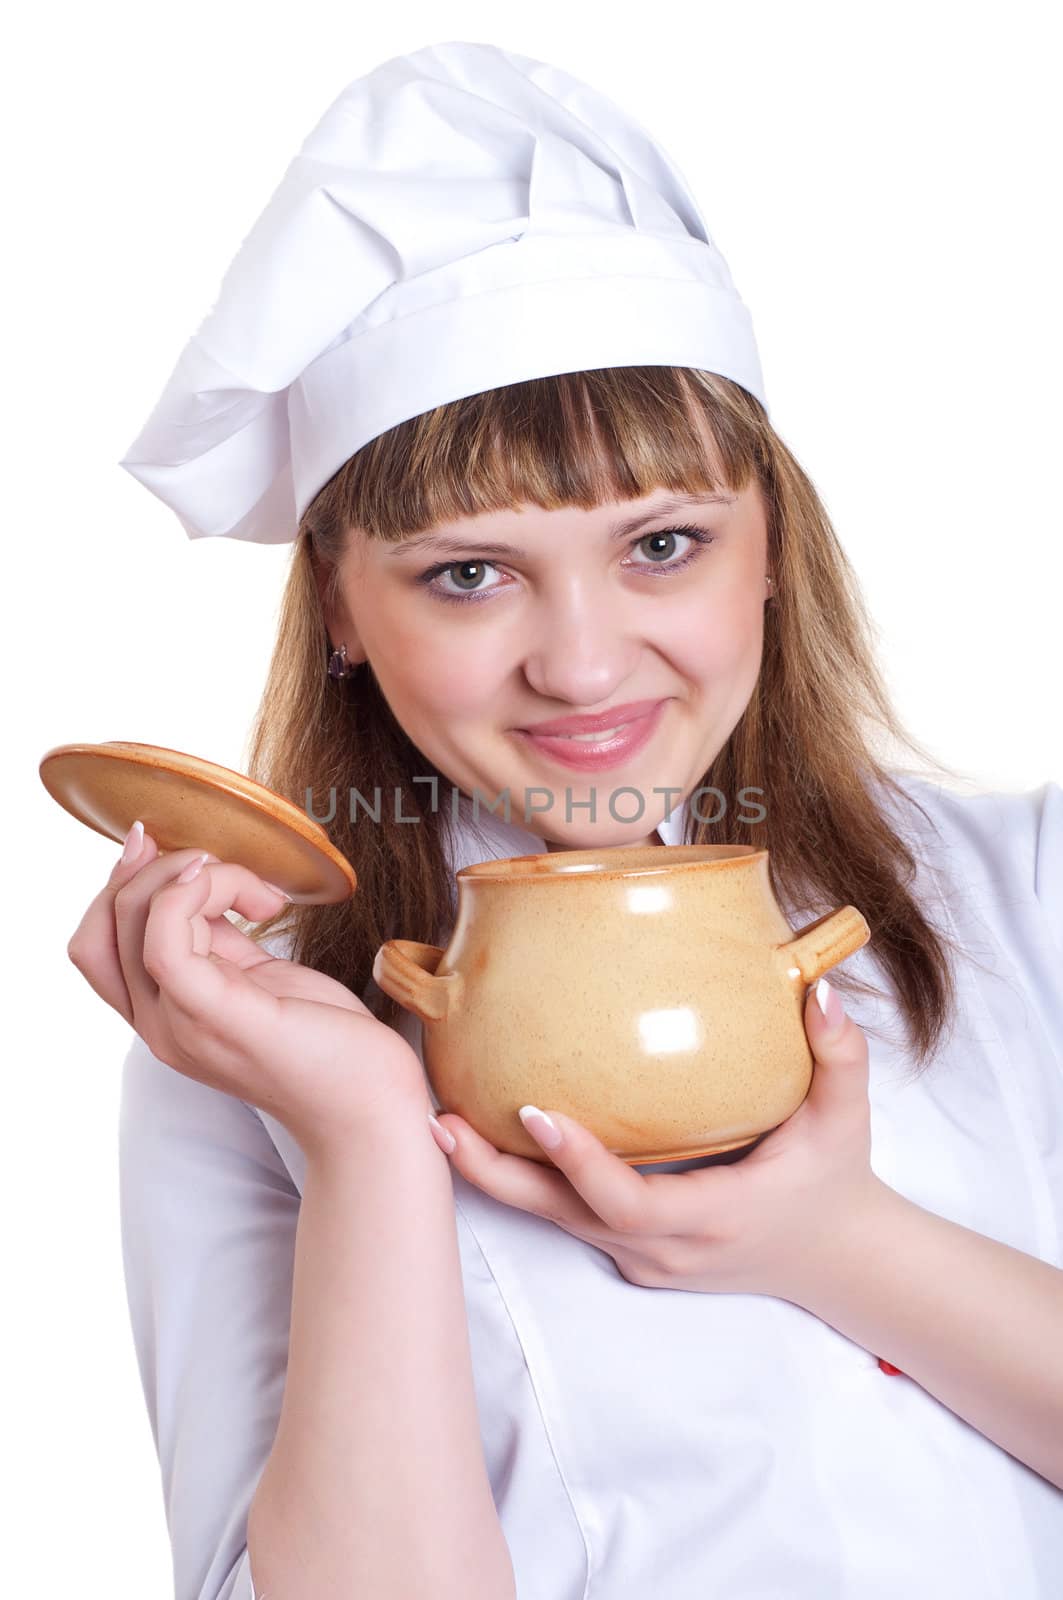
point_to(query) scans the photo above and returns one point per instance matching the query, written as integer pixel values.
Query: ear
(322, 576)
(339, 624)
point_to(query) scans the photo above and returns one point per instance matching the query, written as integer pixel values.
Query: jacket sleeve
(208, 1218)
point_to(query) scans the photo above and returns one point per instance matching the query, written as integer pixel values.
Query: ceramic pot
(654, 994)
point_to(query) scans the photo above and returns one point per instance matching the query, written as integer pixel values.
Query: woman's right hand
(212, 1004)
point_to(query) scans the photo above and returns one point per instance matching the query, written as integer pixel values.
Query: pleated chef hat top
(461, 218)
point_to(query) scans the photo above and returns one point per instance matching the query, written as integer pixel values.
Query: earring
(339, 666)
(769, 582)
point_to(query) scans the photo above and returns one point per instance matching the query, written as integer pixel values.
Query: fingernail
(446, 1141)
(829, 1004)
(134, 843)
(282, 892)
(193, 869)
(541, 1128)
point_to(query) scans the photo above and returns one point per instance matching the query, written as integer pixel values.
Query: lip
(595, 723)
(589, 756)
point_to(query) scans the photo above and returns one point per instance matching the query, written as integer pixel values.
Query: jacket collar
(491, 838)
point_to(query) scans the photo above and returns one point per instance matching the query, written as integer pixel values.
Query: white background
(883, 181)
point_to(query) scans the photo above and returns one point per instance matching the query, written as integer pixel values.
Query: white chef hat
(461, 218)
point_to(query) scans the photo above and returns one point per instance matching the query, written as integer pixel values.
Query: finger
(179, 934)
(229, 943)
(517, 1182)
(131, 902)
(613, 1191)
(838, 1045)
(93, 946)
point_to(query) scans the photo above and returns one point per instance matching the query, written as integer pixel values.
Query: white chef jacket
(655, 1441)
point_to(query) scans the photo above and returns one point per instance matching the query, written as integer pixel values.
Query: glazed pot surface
(654, 995)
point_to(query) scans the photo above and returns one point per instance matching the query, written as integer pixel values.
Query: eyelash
(476, 596)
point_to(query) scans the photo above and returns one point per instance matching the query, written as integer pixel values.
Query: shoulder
(1007, 843)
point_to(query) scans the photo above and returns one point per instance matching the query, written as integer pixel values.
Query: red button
(892, 1372)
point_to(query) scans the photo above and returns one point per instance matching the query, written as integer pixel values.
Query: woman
(790, 1372)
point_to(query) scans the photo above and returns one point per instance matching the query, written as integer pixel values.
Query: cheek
(716, 642)
(427, 667)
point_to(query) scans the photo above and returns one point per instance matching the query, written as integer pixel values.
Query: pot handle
(405, 970)
(825, 942)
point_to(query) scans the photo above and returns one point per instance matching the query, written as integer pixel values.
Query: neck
(654, 838)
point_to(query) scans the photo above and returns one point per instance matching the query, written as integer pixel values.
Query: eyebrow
(448, 545)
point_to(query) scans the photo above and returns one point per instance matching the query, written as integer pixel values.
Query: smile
(594, 738)
(595, 752)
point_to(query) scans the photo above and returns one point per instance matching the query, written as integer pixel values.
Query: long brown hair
(811, 738)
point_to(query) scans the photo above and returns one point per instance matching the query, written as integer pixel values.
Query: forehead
(515, 534)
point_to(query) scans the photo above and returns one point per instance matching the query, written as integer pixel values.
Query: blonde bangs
(577, 439)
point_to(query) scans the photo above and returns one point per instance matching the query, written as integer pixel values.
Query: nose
(582, 649)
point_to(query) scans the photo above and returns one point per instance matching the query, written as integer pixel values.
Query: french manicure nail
(193, 869)
(283, 893)
(829, 1003)
(541, 1128)
(134, 843)
(446, 1141)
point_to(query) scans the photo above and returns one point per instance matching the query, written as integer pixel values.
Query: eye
(661, 547)
(467, 576)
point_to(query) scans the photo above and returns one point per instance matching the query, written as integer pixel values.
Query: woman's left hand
(761, 1225)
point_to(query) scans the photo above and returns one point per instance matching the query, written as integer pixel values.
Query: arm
(211, 1230)
(976, 1323)
(376, 1483)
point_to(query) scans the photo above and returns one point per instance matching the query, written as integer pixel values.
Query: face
(487, 628)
